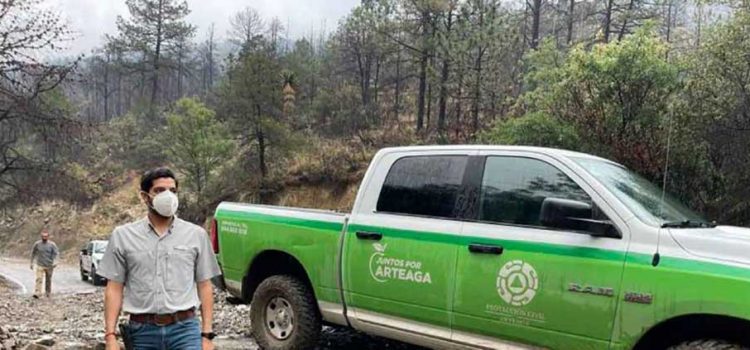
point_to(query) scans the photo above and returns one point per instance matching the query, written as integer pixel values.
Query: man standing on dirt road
(159, 271)
(45, 253)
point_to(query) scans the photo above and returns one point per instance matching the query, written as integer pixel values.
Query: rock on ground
(6, 287)
(76, 321)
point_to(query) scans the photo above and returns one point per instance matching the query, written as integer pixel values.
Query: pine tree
(154, 27)
(251, 99)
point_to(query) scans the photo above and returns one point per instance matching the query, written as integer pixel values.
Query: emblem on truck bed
(517, 283)
(638, 298)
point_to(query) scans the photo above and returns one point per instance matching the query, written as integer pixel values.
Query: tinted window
(514, 188)
(423, 186)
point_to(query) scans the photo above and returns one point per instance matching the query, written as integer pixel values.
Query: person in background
(159, 271)
(45, 253)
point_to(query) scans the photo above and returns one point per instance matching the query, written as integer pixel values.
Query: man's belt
(163, 319)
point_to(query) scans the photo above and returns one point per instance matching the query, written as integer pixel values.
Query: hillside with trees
(255, 115)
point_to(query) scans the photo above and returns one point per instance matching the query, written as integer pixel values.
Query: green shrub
(533, 129)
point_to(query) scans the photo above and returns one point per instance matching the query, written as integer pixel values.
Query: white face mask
(166, 204)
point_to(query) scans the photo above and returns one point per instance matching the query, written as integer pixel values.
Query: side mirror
(84, 252)
(576, 216)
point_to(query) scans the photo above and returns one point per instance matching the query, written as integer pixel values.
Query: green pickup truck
(492, 247)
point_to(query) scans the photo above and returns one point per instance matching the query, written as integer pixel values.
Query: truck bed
(311, 236)
(278, 209)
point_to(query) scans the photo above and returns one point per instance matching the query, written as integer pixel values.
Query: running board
(424, 334)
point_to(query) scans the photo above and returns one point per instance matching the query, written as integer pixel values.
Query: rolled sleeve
(206, 266)
(113, 265)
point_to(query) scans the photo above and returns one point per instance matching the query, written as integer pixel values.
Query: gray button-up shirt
(159, 273)
(45, 253)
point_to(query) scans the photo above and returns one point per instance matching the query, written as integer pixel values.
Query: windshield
(638, 194)
(100, 248)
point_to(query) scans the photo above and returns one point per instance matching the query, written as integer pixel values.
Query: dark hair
(148, 178)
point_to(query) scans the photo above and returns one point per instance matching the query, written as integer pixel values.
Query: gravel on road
(74, 317)
(75, 321)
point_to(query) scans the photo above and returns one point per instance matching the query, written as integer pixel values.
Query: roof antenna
(657, 256)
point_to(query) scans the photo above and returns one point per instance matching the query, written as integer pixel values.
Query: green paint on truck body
(403, 262)
(313, 243)
(466, 298)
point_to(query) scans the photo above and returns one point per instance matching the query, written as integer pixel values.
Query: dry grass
(335, 198)
(342, 161)
(328, 162)
(326, 174)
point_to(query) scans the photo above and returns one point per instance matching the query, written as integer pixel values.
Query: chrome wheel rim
(279, 318)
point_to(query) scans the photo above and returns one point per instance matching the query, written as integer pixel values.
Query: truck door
(520, 280)
(399, 256)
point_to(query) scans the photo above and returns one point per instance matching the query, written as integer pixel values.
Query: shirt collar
(150, 226)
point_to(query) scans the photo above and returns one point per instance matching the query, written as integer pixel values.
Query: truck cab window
(424, 185)
(514, 188)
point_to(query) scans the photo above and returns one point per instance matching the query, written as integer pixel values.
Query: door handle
(485, 249)
(373, 236)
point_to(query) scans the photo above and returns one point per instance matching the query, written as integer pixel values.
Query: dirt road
(66, 279)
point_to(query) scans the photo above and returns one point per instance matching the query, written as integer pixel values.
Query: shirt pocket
(141, 267)
(180, 269)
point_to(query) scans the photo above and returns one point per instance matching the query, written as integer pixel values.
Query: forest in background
(245, 114)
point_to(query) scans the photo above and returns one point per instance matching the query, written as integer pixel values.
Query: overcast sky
(91, 19)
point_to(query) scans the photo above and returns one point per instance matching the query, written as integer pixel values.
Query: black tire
(306, 318)
(235, 300)
(84, 277)
(96, 279)
(707, 344)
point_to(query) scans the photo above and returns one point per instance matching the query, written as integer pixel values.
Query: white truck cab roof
(543, 150)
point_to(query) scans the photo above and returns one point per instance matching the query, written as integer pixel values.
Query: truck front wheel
(96, 279)
(705, 344)
(284, 314)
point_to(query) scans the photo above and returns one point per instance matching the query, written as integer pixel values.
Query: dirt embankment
(330, 197)
(71, 227)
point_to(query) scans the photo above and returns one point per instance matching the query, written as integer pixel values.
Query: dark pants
(183, 335)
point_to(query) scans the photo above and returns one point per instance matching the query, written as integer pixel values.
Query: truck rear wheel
(708, 344)
(84, 277)
(284, 314)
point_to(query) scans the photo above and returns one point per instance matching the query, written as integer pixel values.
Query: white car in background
(89, 260)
